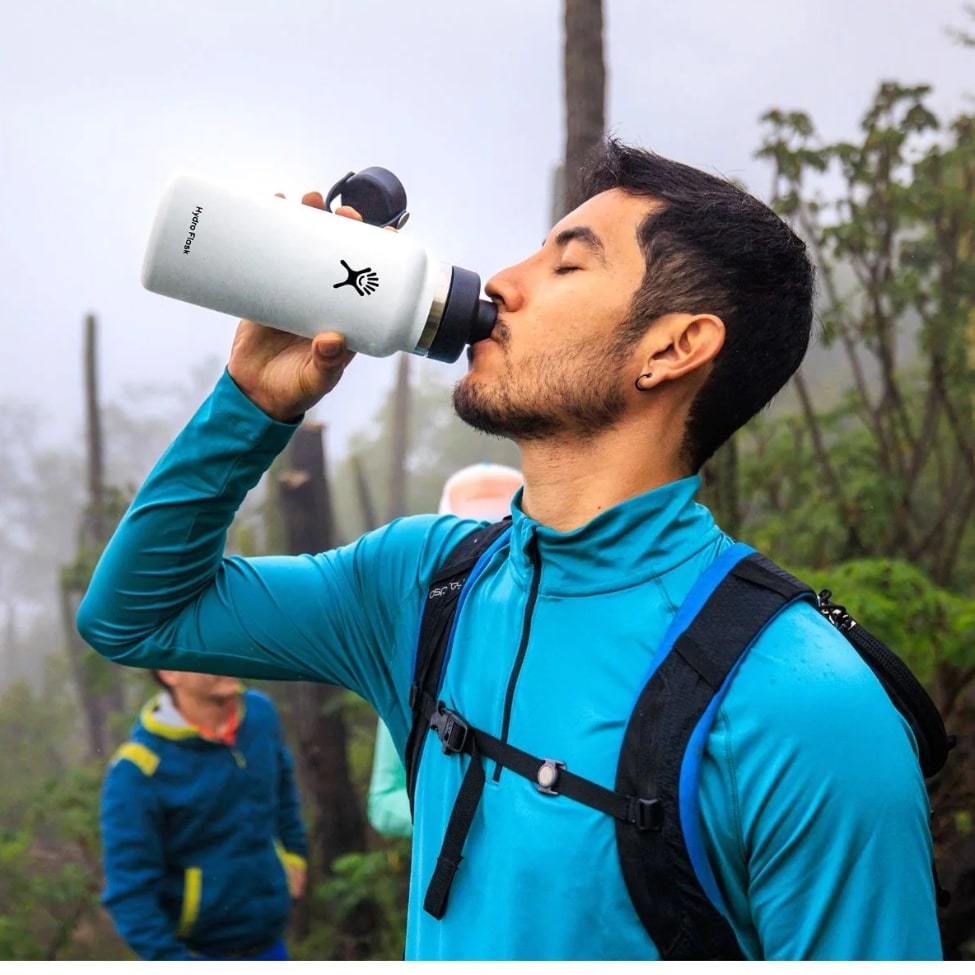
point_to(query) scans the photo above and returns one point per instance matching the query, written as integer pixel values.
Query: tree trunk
(81, 661)
(585, 91)
(98, 682)
(95, 532)
(366, 505)
(399, 441)
(339, 826)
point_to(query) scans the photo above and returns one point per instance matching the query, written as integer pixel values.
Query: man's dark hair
(711, 248)
(155, 675)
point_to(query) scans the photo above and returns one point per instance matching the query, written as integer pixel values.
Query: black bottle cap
(466, 318)
(376, 193)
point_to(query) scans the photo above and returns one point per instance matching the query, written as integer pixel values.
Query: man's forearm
(171, 542)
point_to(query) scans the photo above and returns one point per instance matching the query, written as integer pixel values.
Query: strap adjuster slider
(646, 814)
(451, 729)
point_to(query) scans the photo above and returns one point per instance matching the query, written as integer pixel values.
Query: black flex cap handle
(376, 193)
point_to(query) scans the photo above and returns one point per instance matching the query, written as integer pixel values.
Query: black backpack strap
(902, 687)
(907, 695)
(670, 882)
(549, 776)
(434, 637)
(667, 874)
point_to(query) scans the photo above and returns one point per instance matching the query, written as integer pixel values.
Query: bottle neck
(458, 321)
(438, 305)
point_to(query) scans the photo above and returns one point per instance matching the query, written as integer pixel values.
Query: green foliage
(50, 874)
(366, 892)
(887, 466)
(925, 625)
(38, 744)
(16, 943)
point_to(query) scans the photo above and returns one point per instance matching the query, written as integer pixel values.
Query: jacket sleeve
(388, 805)
(132, 844)
(164, 596)
(820, 820)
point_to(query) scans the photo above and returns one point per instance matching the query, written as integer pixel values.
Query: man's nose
(504, 288)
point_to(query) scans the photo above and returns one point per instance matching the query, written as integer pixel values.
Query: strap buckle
(547, 776)
(646, 814)
(451, 729)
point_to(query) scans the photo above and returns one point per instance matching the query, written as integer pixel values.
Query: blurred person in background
(203, 842)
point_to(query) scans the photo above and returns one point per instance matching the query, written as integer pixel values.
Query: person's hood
(483, 491)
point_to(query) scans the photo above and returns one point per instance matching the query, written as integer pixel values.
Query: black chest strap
(549, 776)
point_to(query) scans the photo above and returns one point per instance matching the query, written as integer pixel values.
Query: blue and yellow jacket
(813, 809)
(196, 834)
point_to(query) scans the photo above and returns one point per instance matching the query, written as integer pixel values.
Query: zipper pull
(834, 612)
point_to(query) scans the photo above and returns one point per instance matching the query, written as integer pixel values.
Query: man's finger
(350, 212)
(314, 199)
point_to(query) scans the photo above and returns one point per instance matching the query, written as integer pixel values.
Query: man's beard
(579, 395)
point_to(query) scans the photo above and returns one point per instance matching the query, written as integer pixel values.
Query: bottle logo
(191, 233)
(365, 281)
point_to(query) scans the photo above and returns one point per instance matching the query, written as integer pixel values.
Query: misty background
(103, 100)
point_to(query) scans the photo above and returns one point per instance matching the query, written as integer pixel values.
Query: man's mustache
(500, 334)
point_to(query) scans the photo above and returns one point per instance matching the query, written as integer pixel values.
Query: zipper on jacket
(525, 633)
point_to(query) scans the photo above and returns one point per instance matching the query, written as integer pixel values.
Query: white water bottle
(305, 270)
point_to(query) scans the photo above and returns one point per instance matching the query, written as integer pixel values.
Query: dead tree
(399, 439)
(98, 682)
(339, 825)
(585, 92)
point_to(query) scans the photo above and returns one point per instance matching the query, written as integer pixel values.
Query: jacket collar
(629, 544)
(160, 716)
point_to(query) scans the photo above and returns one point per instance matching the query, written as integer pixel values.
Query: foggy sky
(102, 100)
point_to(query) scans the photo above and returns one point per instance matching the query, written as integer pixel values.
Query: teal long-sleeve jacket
(813, 810)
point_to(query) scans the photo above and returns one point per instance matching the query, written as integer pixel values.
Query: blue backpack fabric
(654, 802)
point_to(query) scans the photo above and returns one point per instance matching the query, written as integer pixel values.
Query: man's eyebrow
(586, 236)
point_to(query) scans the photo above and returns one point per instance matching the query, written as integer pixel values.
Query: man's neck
(568, 482)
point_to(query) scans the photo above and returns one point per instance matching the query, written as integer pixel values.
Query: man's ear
(678, 344)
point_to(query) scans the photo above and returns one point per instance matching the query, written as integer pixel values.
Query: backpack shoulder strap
(436, 629)
(667, 873)
(725, 611)
(904, 690)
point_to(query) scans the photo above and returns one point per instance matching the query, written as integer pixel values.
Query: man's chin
(470, 406)
(473, 405)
